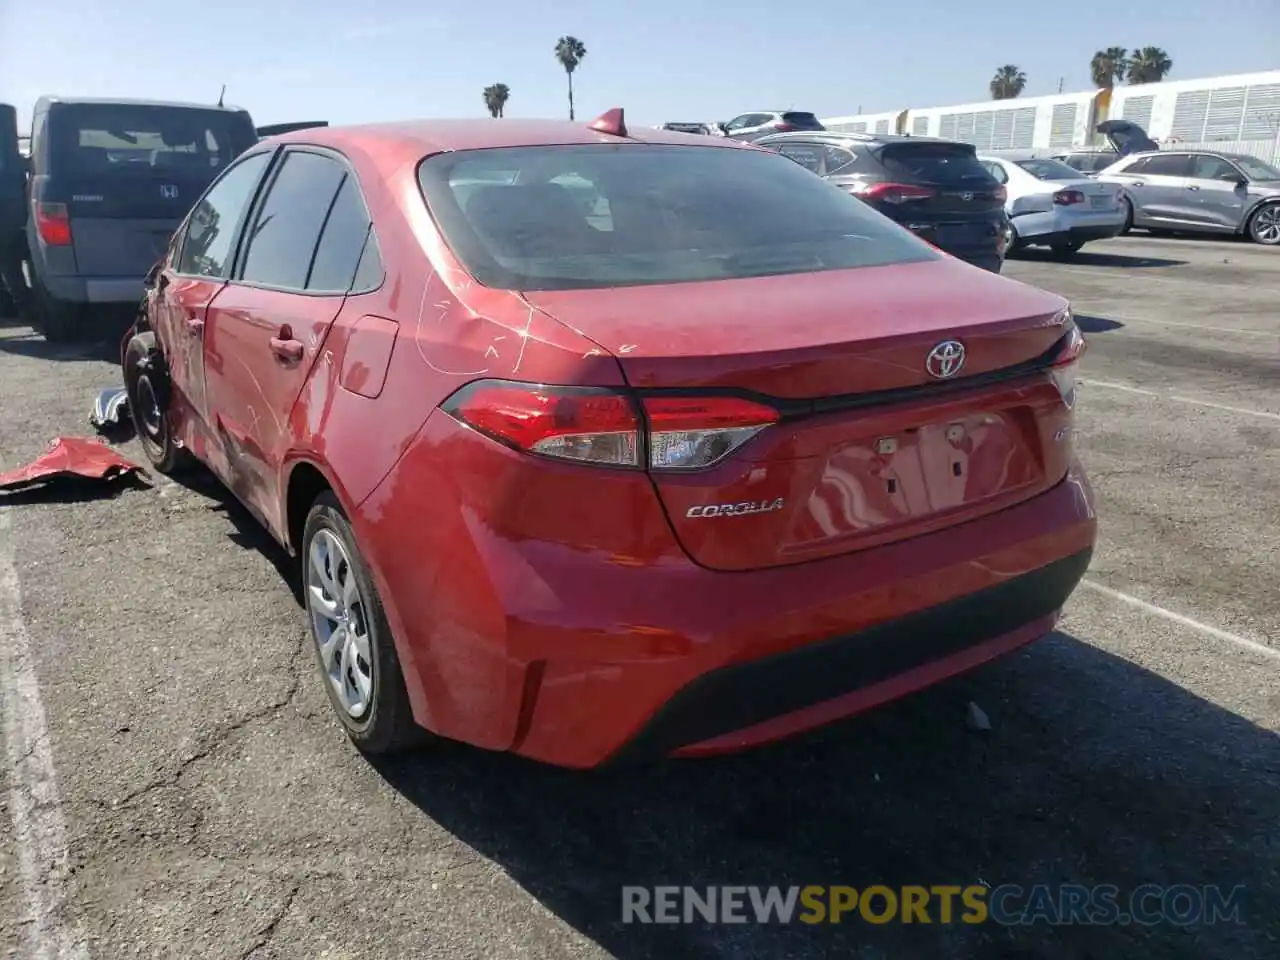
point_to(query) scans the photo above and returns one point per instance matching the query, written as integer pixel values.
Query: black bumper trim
(741, 695)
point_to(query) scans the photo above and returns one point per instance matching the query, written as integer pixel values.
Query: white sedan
(1051, 205)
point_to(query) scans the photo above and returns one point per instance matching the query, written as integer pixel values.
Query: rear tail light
(1065, 198)
(1065, 364)
(893, 192)
(53, 224)
(607, 428)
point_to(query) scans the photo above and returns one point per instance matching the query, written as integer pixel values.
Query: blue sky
(661, 59)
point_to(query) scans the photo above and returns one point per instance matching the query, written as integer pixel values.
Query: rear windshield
(606, 215)
(106, 139)
(933, 162)
(802, 119)
(1049, 169)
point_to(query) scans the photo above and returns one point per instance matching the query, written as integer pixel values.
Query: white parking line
(39, 828)
(1108, 385)
(1243, 642)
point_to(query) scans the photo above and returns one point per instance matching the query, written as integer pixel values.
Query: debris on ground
(976, 718)
(79, 458)
(110, 414)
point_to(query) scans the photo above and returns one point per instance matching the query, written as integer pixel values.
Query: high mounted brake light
(602, 426)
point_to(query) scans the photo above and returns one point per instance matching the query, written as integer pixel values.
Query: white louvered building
(1240, 112)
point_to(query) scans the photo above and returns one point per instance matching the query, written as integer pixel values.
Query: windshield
(1049, 169)
(106, 139)
(605, 215)
(1256, 169)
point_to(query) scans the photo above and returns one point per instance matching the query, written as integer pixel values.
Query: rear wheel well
(305, 484)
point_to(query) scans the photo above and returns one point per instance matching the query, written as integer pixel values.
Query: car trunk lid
(871, 446)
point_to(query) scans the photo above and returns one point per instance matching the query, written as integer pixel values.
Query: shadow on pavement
(28, 343)
(1097, 772)
(1086, 259)
(1090, 324)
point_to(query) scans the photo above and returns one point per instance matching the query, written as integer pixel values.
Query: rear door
(266, 328)
(127, 175)
(954, 204)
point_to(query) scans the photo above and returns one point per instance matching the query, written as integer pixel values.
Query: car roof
(837, 136)
(131, 102)
(436, 136)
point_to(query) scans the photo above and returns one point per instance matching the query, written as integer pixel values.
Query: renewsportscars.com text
(1008, 904)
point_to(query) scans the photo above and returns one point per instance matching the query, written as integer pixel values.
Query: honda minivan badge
(169, 191)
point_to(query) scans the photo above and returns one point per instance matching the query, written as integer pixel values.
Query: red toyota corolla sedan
(597, 445)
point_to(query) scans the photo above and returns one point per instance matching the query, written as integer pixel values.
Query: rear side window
(933, 162)
(808, 155)
(286, 229)
(341, 243)
(675, 214)
(1173, 165)
(104, 139)
(206, 248)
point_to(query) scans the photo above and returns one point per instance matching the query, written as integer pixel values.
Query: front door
(265, 330)
(1219, 192)
(1158, 186)
(195, 269)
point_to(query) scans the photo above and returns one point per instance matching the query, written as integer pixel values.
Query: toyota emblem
(945, 360)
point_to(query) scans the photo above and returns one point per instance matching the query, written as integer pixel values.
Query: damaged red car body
(585, 459)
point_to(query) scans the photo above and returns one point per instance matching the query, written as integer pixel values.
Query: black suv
(935, 188)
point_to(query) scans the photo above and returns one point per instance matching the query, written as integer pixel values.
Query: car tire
(1264, 225)
(8, 305)
(146, 382)
(1065, 250)
(1128, 217)
(57, 321)
(366, 688)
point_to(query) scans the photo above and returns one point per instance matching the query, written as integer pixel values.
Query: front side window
(675, 214)
(1256, 169)
(206, 248)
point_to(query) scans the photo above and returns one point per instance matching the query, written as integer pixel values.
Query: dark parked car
(762, 123)
(935, 188)
(13, 180)
(1123, 137)
(109, 182)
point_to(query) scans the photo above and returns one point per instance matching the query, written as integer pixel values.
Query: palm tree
(570, 51)
(1008, 82)
(496, 96)
(1149, 65)
(1109, 66)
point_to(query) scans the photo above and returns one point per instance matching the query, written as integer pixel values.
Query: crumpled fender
(85, 457)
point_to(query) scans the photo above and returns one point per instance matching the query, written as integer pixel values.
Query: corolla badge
(735, 509)
(945, 359)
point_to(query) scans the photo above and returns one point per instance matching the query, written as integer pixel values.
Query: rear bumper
(581, 657)
(93, 290)
(1061, 227)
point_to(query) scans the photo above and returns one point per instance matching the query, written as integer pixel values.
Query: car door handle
(1193, 188)
(286, 349)
(1136, 183)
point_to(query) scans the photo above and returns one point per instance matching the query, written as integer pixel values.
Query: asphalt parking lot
(153, 658)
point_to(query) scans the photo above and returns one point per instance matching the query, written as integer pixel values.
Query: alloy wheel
(339, 623)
